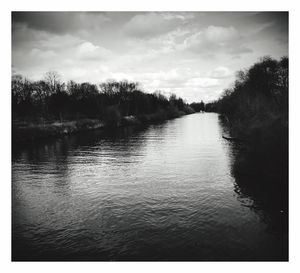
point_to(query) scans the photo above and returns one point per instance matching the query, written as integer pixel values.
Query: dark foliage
(256, 111)
(258, 93)
(50, 99)
(198, 106)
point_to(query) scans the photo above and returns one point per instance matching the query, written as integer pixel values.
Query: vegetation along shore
(255, 114)
(50, 108)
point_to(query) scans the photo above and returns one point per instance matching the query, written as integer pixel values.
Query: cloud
(216, 39)
(274, 26)
(60, 22)
(212, 35)
(220, 34)
(191, 54)
(154, 24)
(89, 51)
(36, 51)
(27, 38)
(220, 72)
(40, 54)
(202, 82)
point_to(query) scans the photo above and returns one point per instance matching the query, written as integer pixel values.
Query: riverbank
(25, 131)
(255, 112)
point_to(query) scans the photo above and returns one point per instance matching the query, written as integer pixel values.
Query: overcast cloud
(192, 54)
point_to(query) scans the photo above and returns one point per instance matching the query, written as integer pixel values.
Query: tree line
(263, 88)
(255, 110)
(52, 99)
(260, 91)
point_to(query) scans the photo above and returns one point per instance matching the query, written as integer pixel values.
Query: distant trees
(263, 88)
(177, 102)
(256, 111)
(52, 80)
(260, 90)
(52, 99)
(198, 106)
(23, 94)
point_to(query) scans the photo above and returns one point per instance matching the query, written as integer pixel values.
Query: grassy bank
(30, 131)
(24, 131)
(50, 108)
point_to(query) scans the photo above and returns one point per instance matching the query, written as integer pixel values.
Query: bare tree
(52, 78)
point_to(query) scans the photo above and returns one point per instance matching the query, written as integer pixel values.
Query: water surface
(163, 192)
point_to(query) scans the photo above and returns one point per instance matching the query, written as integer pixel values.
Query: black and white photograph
(149, 136)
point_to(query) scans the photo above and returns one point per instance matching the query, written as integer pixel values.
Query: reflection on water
(260, 188)
(163, 192)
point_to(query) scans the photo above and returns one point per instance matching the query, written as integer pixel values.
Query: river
(161, 192)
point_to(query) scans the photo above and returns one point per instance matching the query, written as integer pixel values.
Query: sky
(194, 55)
